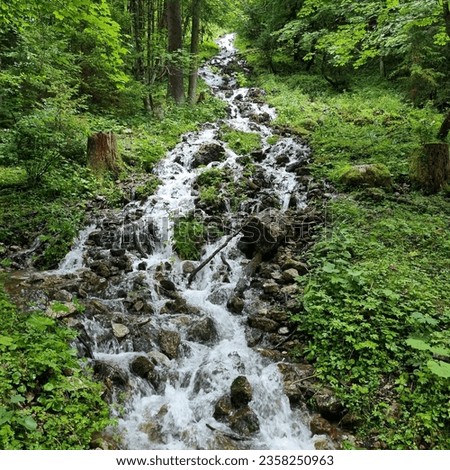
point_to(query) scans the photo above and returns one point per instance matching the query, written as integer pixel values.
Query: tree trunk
(445, 128)
(446, 8)
(175, 44)
(431, 169)
(195, 41)
(102, 152)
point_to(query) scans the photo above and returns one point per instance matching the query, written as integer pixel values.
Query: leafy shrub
(47, 399)
(376, 320)
(44, 139)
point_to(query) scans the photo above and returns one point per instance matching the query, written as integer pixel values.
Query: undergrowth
(374, 309)
(47, 400)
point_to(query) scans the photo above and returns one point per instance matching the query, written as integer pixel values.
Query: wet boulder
(169, 341)
(298, 381)
(223, 408)
(203, 331)
(179, 306)
(263, 232)
(142, 366)
(208, 153)
(110, 373)
(241, 392)
(244, 422)
(263, 323)
(235, 304)
(321, 426)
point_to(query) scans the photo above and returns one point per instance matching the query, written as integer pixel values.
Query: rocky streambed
(197, 353)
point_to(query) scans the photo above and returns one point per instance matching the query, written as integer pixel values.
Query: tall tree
(195, 42)
(175, 49)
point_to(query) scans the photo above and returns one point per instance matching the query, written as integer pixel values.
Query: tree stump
(102, 152)
(431, 168)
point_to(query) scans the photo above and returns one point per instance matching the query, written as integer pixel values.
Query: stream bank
(201, 364)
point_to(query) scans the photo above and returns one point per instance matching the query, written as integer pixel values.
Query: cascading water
(173, 346)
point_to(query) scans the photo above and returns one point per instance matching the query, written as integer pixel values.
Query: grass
(374, 309)
(369, 124)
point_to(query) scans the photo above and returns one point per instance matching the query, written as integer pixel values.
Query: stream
(174, 355)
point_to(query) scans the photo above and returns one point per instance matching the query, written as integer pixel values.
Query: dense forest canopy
(407, 40)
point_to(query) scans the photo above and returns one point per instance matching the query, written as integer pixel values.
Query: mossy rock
(374, 176)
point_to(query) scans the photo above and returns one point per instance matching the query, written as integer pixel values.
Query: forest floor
(375, 306)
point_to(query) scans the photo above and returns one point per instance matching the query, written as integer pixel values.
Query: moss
(376, 175)
(241, 142)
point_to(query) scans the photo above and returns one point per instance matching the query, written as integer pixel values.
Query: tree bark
(446, 7)
(102, 152)
(445, 128)
(431, 169)
(175, 44)
(195, 41)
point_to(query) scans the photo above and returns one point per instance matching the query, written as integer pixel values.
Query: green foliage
(241, 142)
(376, 317)
(218, 189)
(189, 236)
(44, 139)
(406, 41)
(371, 124)
(47, 399)
(148, 188)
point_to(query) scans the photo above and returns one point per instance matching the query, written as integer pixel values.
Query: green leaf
(440, 351)
(17, 399)
(58, 15)
(5, 415)
(28, 422)
(439, 368)
(329, 268)
(6, 341)
(418, 344)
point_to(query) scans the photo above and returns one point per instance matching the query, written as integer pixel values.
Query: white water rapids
(179, 413)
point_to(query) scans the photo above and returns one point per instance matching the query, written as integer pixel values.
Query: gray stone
(244, 421)
(289, 275)
(208, 153)
(241, 392)
(271, 287)
(60, 309)
(328, 405)
(119, 330)
(203, 331)
(169, 342)
(188, 267)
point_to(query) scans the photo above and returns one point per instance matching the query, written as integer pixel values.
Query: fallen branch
(234, 437)
(210, 257)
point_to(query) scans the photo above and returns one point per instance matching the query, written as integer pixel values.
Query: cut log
(102, 152)
(431, 168)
